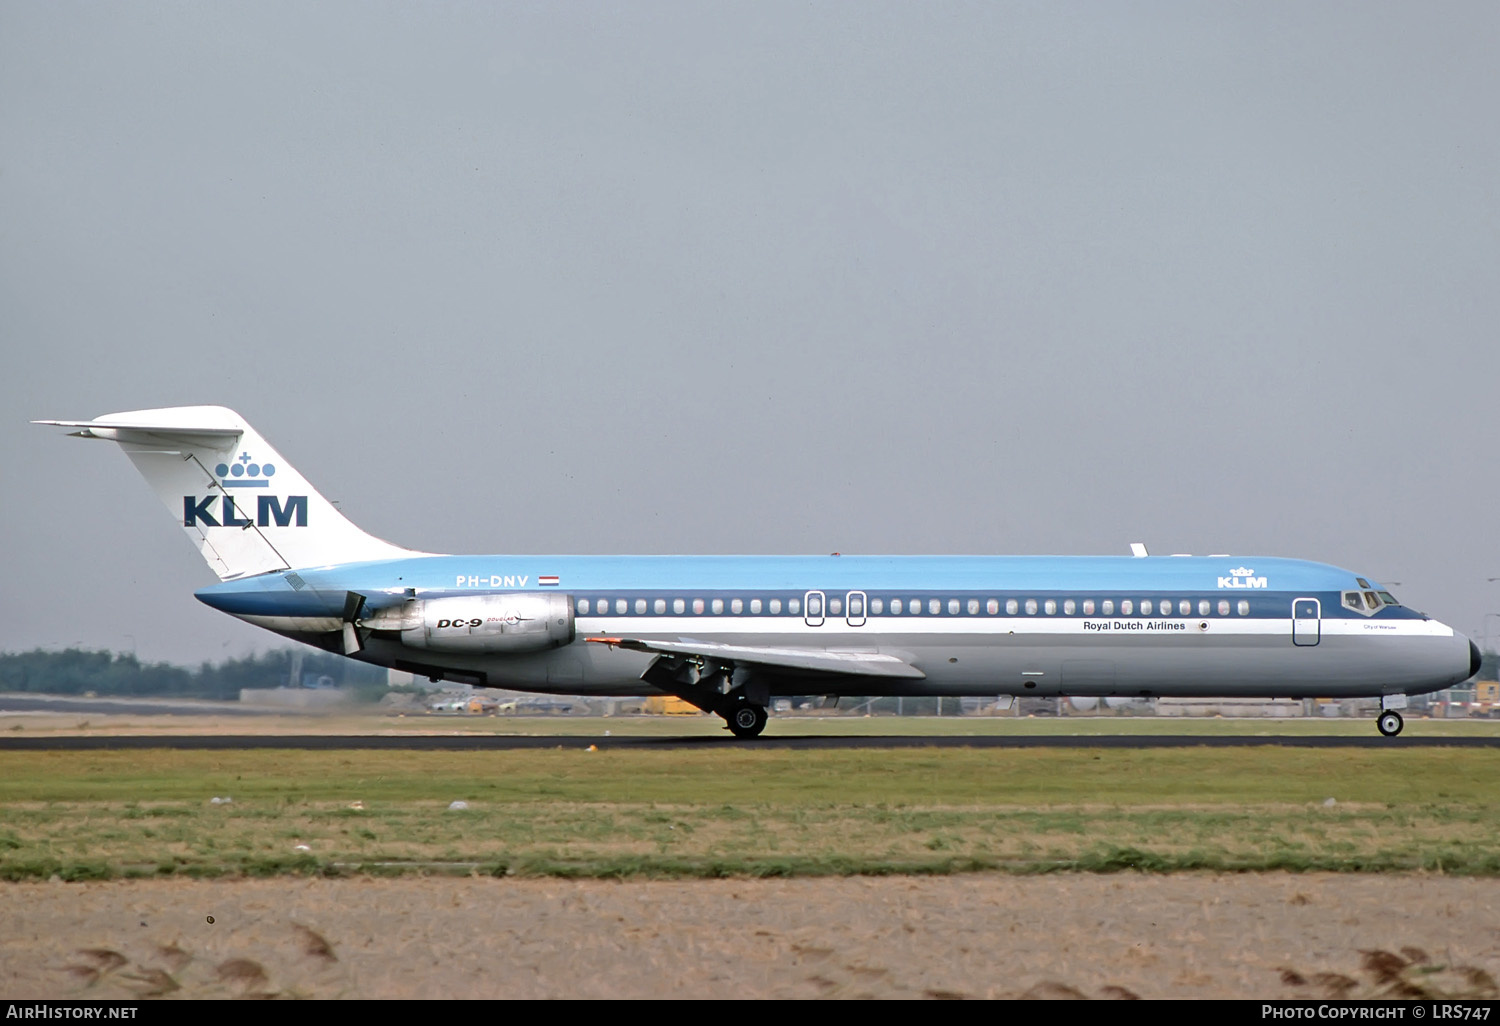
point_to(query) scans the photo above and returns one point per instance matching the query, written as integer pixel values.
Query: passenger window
(992, 606)
(697, 606)
(973, 607)
(679, 606)
(856, 606)
(776, 606)
(1203, 607)
(1186, 608)
(1223, 607)
(1050, 606)
(1244, 607)
(952, 607)
(1068, 607)
(1126, 607)
(895, 607)
(755, 606)
(1031, 607)
(718, 606)
(914, 607)
(640, 606)
(934, 606)
(736, 606)
(1088, 607)
(814, 605)
(835, 607)
(1145, 607)
(1107, 607)
(621, 606)
(877, 606)
(1011, 608)
(583, 607)
(794, 606)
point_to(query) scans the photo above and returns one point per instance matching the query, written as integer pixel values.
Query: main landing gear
(710, 687)
(746, 719)
(1389, 723)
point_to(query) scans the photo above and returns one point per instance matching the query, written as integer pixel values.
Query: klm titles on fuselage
(269, 511)
(1242, 577)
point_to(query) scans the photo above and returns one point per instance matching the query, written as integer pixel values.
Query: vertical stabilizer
(246, 508)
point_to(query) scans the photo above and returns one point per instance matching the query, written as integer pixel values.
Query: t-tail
(246, 508)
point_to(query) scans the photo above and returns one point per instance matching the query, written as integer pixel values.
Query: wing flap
(818, 660)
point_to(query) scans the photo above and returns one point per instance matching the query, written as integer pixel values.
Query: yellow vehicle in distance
(670, 705)
(1486, 698)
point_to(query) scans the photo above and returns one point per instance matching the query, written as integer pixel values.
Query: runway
(503, 743)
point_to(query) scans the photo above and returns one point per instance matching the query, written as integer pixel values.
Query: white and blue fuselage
(982, 625)
(730, 632)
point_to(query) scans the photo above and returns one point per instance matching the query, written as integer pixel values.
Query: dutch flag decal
(545, 579)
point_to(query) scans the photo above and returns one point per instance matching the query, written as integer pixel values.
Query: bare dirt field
(983, 936)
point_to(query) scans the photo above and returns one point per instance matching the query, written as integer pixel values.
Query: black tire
(1389, 723)
(747, 719)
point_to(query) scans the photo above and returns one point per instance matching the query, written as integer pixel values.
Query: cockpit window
(1370, 602)
(1362, 582)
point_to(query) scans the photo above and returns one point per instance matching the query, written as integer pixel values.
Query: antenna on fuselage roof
(1138, 549)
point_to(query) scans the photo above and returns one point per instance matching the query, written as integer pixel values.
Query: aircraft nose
(1474, 659)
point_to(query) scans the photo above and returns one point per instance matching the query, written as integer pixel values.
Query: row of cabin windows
(914, 607)
(679, 606)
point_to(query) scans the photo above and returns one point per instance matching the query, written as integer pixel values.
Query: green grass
(742, 811)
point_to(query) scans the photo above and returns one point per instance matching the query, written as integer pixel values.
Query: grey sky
(761, 277)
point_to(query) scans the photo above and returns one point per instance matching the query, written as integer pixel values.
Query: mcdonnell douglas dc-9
(729, 633)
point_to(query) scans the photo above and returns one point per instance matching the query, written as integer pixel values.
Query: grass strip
(689, 814)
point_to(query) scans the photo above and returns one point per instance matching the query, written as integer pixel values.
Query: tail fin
(246, 509)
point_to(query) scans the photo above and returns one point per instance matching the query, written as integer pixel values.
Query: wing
(805, 660)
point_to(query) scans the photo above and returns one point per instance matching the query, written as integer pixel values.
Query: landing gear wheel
(1389, 723)
(747, 719)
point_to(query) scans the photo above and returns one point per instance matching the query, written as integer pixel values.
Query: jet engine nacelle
(510, 622)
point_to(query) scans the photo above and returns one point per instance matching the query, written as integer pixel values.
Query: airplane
(728, 634)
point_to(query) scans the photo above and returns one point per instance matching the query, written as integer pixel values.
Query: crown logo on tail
(244, 472)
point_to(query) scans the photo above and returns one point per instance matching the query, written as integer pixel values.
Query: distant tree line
(76, 671)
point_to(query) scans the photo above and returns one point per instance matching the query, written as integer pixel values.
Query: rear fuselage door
(1306, 621)
(813, 607)
(854, 608)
